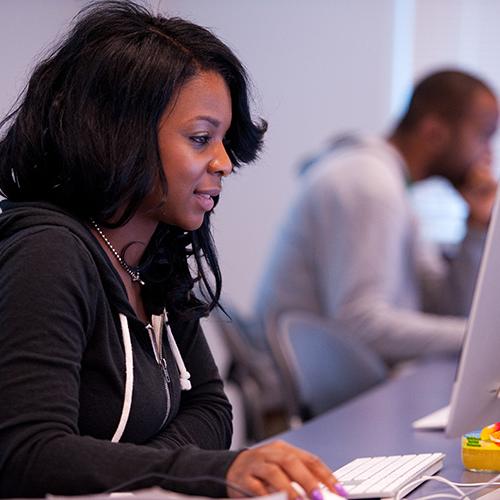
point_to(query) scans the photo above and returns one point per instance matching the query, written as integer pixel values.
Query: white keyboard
(384, 477)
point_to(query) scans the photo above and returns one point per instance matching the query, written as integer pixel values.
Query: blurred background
(318, 68)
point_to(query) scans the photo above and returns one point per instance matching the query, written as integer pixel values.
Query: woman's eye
(200, 139)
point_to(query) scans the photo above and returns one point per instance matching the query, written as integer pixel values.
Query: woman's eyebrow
(210, 119)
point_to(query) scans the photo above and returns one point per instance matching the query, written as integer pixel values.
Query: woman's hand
(272, 467)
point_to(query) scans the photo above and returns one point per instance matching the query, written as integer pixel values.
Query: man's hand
(479, 190)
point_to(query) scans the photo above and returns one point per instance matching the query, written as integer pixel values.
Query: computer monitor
(475, 400)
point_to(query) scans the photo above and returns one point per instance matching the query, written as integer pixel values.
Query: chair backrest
(322, 365)
(253, 370)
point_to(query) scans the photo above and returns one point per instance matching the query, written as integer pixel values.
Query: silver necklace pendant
(137, 278)
(135, 275)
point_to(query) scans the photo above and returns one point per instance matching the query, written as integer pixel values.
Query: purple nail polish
(316, 494)
(340, 490)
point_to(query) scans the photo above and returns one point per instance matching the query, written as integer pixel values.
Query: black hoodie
(63, 373)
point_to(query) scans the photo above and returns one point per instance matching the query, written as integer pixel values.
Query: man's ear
(435, 132)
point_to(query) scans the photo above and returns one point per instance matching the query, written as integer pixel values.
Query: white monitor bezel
(475, 400)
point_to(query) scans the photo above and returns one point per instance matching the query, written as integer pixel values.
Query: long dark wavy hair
(84, 135)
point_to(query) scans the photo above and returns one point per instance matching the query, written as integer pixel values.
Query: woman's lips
(205, 199)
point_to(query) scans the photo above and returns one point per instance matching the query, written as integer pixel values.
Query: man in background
(350, 251)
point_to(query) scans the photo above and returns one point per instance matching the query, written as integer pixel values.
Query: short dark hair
(84, 136)
(446, 93)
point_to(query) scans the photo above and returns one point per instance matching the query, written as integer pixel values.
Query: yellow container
(481, 449)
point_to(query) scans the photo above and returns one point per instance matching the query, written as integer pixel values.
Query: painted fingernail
(316, 494)
(340, 490)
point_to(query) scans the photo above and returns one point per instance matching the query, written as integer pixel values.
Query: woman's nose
(221, 163)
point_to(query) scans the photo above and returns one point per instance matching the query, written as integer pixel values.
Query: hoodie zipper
(162, 363)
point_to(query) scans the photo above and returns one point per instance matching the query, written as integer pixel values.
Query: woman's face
(190, 139)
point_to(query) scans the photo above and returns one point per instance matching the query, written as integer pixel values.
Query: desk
(378, 422)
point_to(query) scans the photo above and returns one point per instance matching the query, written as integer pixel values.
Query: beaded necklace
(135, 275)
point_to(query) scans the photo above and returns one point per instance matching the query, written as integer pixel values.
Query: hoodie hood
(22, 217)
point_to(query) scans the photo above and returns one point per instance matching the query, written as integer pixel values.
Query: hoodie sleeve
(49, 290)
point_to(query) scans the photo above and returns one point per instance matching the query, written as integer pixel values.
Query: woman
(111, 166)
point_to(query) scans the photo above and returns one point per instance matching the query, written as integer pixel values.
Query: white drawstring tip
(184, 380)
(184, 375)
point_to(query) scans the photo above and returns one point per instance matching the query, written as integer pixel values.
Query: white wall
(318, 67)
(27, 29)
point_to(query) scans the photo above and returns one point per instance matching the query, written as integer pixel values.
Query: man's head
(450, 121)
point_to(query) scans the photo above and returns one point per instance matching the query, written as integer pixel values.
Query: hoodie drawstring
(184, 375)
(129, 379)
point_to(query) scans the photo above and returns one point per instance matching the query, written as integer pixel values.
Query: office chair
(253, 371)
(321, 365)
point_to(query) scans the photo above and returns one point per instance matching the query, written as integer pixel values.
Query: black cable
(174, 479)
